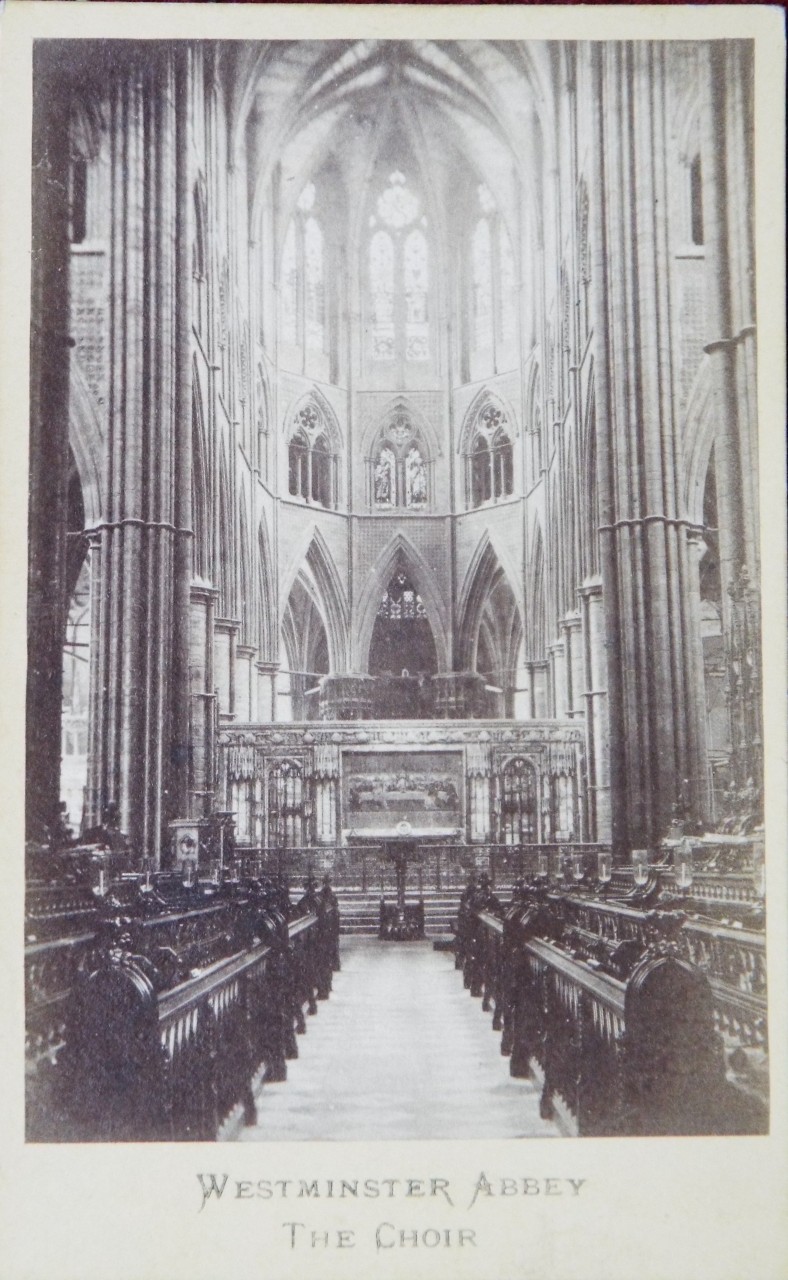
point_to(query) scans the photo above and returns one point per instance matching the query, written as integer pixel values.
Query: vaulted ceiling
(485, 104)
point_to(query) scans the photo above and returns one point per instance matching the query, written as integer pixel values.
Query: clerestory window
(302, 288)
(494, 301)
(398, 271)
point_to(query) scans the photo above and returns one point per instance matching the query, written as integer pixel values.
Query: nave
(400, 1051)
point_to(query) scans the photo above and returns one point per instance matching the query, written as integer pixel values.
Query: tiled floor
(401, 1050)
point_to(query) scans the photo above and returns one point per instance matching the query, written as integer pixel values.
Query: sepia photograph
(394, 592)
(394, 737)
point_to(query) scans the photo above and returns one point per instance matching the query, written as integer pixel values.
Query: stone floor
(401, 1050)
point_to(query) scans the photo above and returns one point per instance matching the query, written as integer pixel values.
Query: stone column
(557, 656)
(225, 667)
(575, 672)
(266, 691)
(595, 696)
(49, 398)
(203, 701)
(643, 524)
(539, 672)
(727, 215)
(140, 692)
(244, 682)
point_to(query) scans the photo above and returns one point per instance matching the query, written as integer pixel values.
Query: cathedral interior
(393, 509)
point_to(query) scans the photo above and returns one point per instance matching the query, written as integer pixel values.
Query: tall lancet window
(381, 279)
(508, 278)
(416, 281)
(302, 282)
(482, 286)
(289, 290)
(398, 275)
(314, 301)
(494, 285)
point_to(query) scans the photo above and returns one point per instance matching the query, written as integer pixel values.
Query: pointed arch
(328, 591)
(314, 445)
(378, 423)
(315, 398)
(400, 457)
(486, 397)
(486, 439)
(401, 552)
(491, 626)
(306, 645)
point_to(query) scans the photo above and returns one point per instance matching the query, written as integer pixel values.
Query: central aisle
(401, 1050)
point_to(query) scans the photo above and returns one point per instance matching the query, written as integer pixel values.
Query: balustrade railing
(437, 866)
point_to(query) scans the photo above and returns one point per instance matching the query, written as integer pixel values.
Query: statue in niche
(415, 478)
(384, 477)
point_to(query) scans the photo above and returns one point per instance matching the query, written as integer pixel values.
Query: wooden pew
(171, 1020)
(604, 1005)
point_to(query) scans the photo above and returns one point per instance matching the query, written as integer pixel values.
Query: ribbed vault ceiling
(489, 103)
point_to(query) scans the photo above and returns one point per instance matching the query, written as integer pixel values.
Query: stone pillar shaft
(139, 726)
(49, 394)
(657, 749)
(203, 702)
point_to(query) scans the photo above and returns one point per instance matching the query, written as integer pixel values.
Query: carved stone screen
(380, 790)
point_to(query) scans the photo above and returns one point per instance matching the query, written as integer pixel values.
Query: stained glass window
(385, 478)
(381, 277)
(399, 275)
(401, 601)
(415, 478)
(315, 293)
(289, 289)
(397, 205)
(302, 307)
(416, 283)
(482, 286)
(399, 466)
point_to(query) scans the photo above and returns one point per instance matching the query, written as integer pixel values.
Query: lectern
(401, 921)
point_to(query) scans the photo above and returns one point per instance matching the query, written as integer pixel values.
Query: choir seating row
(161, 1013)
(633, 1018)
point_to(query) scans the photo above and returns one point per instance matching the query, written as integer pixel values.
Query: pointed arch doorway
(402, 653)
